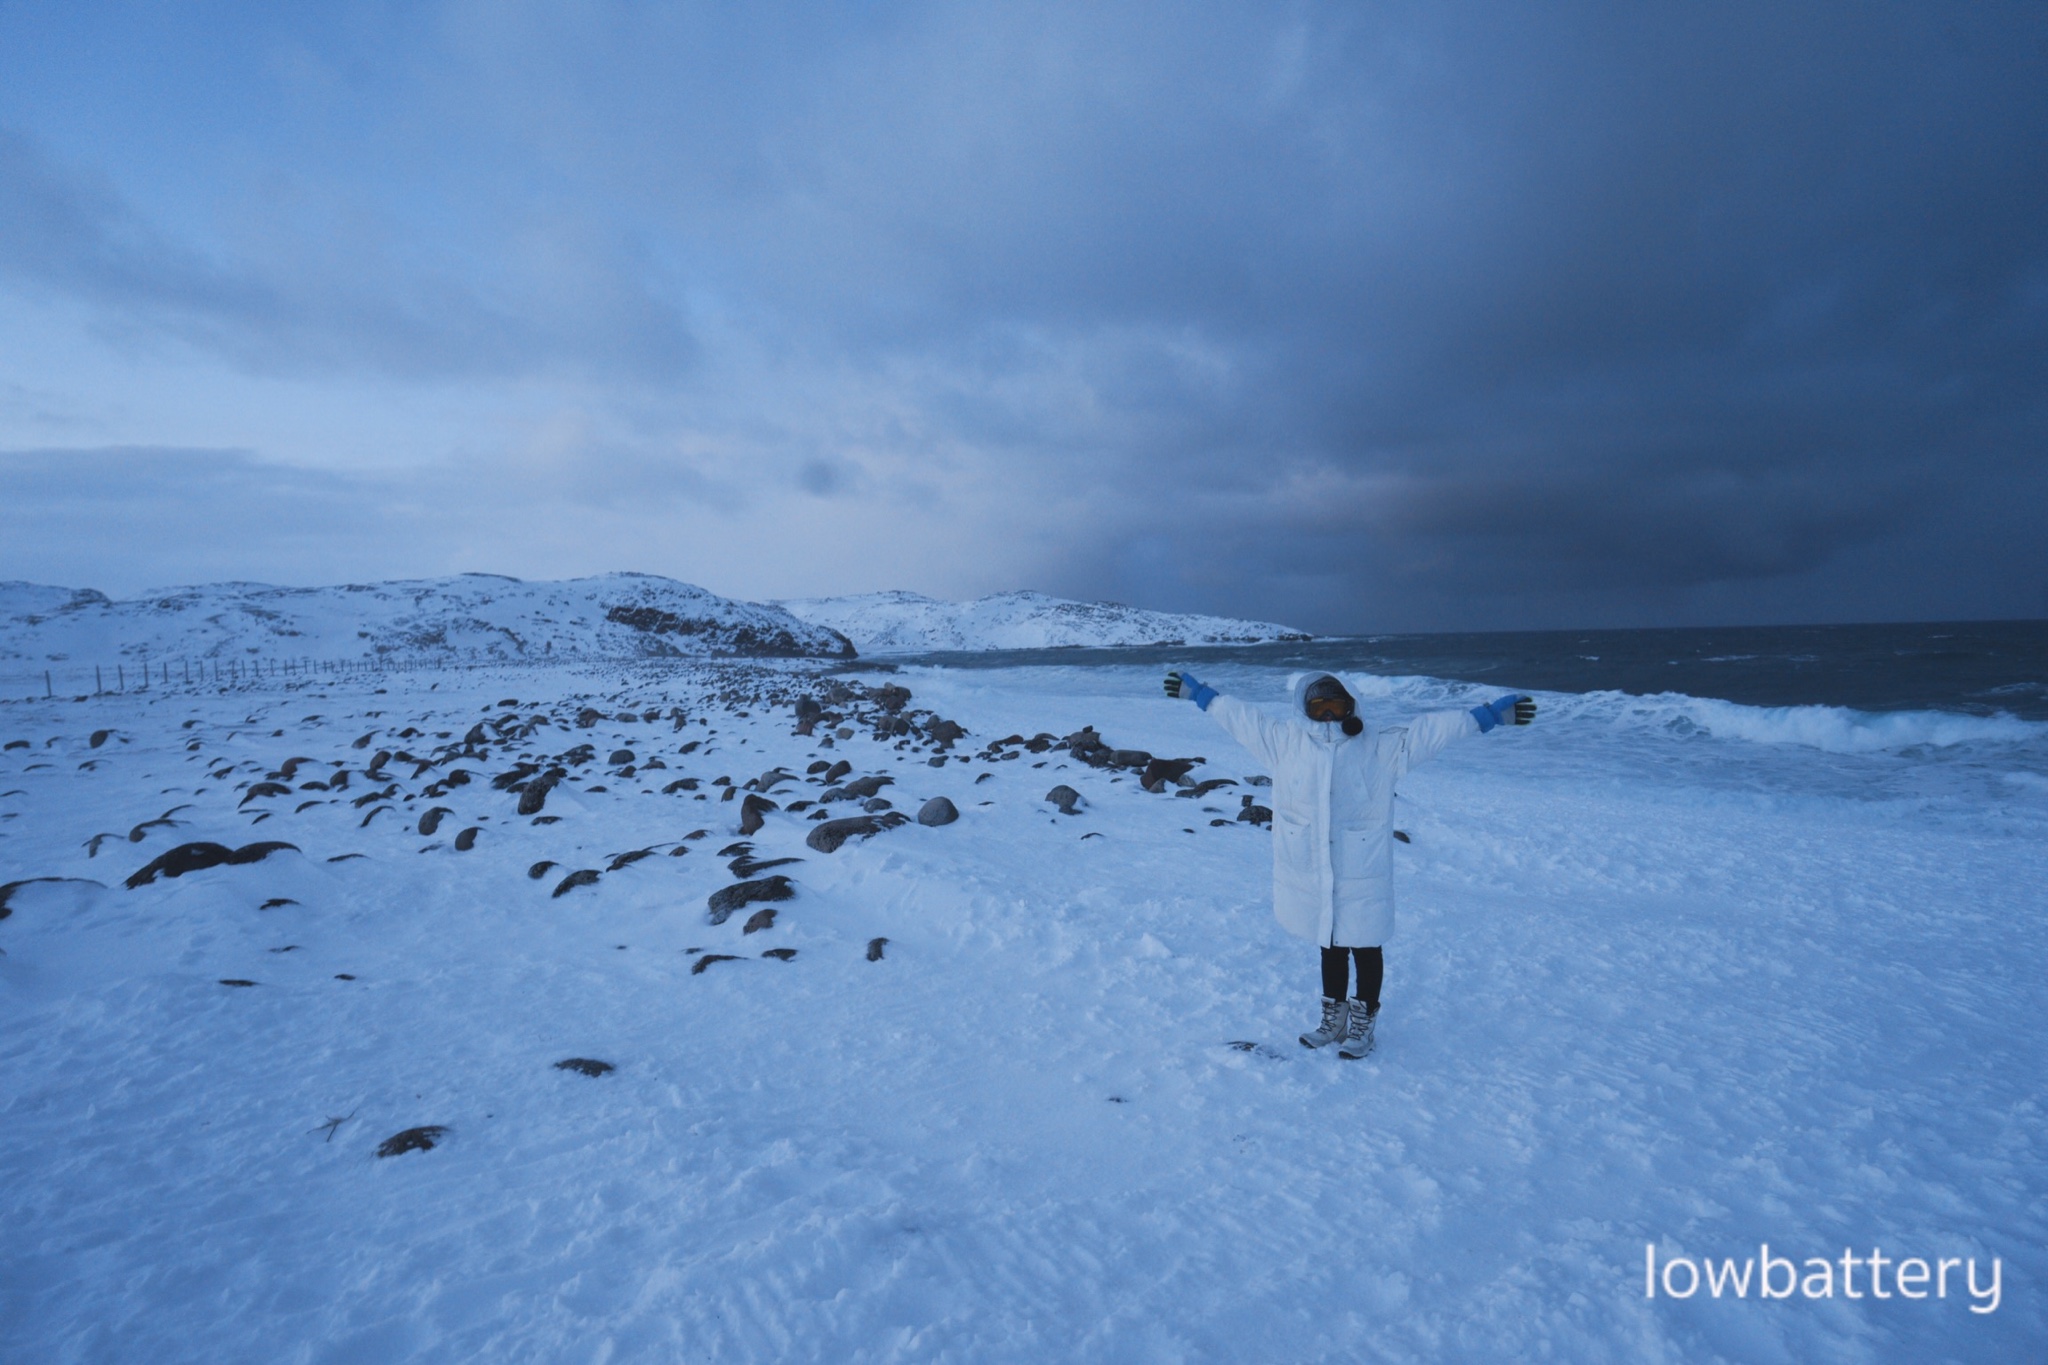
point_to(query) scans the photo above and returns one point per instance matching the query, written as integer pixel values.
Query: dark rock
(742, 894)
(860, 789)
(586, 876)
(265, 789)
(625, 860)
(747, 866)
(536, 794)
(752, 811)
(829, 835)
(1129, 758)
(588, 717)
(421, 1139)
(466, 840)
(818, 767)
(1255, 815)
(937, 811)
(540, 869)
(1066, 798)
(697, 969)
(1204, 788)
(759, 920)
(431, 821)
(875, 946)
(781, 954)
(235, 981)
(1402, 835)
(275, 902)
(584, 1066)
(944, 732)
(197, 856)
(875, 805)
(620, 757)
(890, 696)
(681, 784)
(99, 737)
(1161, 771)
(506, 780)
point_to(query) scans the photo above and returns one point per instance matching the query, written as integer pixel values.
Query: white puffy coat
(1333, 810)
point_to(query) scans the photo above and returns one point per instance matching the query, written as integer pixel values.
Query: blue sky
(1362, 317)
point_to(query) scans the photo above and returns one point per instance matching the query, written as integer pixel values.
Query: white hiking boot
(1331, 1030)
(1358, 1032)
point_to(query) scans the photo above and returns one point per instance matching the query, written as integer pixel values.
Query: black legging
(1372, 969)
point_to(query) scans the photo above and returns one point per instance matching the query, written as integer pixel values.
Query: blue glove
(1186, 685)
(1508, 710)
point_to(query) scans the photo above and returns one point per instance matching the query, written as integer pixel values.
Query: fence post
(98, 686)
(49, 689)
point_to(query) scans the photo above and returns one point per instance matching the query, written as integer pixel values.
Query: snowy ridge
(910, 623)
(467, 618)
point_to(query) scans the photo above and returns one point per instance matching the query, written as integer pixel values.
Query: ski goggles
(1328, 707)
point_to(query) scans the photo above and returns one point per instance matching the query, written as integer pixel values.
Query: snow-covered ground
(909, 623)
(1671, 973)
(465, 618)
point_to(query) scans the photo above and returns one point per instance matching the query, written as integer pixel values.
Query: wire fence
(73, 680)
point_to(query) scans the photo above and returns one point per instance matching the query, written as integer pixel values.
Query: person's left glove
(1187, 686)
(1508, 710)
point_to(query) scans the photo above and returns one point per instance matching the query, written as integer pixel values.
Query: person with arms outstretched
(1333, 824)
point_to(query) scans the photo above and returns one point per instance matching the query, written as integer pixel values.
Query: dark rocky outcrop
(421, 1139)
(738, 896)
(830, 834)
(753, 810)
(197, 856)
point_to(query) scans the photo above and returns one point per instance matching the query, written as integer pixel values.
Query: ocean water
(1977, 668)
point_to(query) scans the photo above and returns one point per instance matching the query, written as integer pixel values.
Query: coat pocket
(1294, 847)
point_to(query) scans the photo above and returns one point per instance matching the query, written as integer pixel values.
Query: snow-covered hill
(468, 618)
(909, 623)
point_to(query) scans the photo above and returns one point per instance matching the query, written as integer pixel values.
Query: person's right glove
(1186, 685)
(1508, 710)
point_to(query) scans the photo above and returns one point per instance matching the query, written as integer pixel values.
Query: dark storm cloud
(1388, 316)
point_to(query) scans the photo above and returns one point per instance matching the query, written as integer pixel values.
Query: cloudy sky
(1360, 316)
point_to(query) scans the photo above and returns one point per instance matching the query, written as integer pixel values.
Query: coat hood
(1359, 685)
